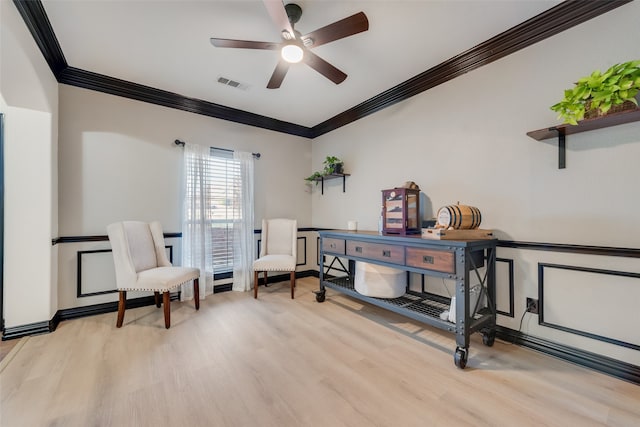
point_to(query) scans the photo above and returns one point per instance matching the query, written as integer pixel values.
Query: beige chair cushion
(164, 279)
(275, 263)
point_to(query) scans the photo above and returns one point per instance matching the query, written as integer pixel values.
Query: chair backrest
(137, 246)
(279, 237)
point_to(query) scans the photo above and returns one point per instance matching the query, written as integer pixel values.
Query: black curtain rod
(182, 143)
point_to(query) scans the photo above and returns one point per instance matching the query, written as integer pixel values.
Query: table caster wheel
(488, 338)
(460, 357)
(320, 295)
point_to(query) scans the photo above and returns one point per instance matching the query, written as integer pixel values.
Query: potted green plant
(600, 92)
(313, 177)
(332, 165)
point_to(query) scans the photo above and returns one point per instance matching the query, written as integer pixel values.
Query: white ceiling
(165, 44)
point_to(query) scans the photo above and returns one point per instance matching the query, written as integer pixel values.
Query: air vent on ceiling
(232, 83)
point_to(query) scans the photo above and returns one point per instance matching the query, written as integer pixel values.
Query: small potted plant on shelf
(332, 165)
(599, 93)
(313, 177)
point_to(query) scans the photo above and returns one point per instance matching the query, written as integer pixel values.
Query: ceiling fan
(295, 47)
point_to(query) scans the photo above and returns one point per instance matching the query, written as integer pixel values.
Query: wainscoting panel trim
(511, 312)
(79, 293)
(573, 249)
(542, 322)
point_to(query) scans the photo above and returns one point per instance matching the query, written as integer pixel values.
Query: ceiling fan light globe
(292, 53)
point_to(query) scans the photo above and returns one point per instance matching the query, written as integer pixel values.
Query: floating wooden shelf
(562, 130)
(333, 176)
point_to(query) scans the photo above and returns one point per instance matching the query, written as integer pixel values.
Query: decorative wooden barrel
(459, 217)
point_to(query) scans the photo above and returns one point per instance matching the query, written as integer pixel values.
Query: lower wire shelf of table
(422, 307)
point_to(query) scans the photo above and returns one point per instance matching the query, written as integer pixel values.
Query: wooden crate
(444, 234)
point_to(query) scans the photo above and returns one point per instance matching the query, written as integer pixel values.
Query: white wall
(466, 141)
(118, 161)
(30, 103)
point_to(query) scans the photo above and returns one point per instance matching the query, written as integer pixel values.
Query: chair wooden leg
(265, 279)
(121, 306)
(156, 295)
(293, 282)
(255, 284)
(167, 309)
(196, 292)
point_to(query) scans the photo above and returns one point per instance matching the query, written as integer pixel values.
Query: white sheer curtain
(196, 227)
(243, 240)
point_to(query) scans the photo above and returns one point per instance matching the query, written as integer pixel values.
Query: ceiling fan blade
(278, 75)
(346, 27)
(279, 16)
(244, 44)
(323, 67)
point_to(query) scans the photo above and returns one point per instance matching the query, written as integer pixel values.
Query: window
(224, 174)
(213, 195)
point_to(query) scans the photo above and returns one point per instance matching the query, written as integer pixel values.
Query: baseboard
(596, 362)
(285, 277)
(222, 288)
(26, 330)
(32, 328)
(110, 307)
(74, 313)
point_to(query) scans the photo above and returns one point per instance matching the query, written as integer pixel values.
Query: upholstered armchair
(142, 265)
(278, 250)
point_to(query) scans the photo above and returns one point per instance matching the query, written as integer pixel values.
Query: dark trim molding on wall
(105, 238)
(603, 364)
(79, 254)
(549, 23)
(574, 249)
(32, 328)
(511, 312)
(539, 246)
(591, 335)
(88, 80)
(110, 307)
(37, 22)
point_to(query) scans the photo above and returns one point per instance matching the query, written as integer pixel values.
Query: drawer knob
(427, 259)
(386, 253)
(359, 249)
(332, 245)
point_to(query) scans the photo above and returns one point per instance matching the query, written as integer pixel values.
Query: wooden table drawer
(432, 259)
(333, 245)
(377, 251)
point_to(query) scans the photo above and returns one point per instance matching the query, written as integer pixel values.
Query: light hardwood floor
(281, 362)
(6, 347)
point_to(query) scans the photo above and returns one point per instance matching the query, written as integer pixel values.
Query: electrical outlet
(532, 305)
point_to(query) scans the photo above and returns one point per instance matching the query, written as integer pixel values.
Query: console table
(456, 260)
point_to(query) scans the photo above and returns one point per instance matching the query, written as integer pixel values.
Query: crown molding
(37, 21)
(551, 22)
(99, 82)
